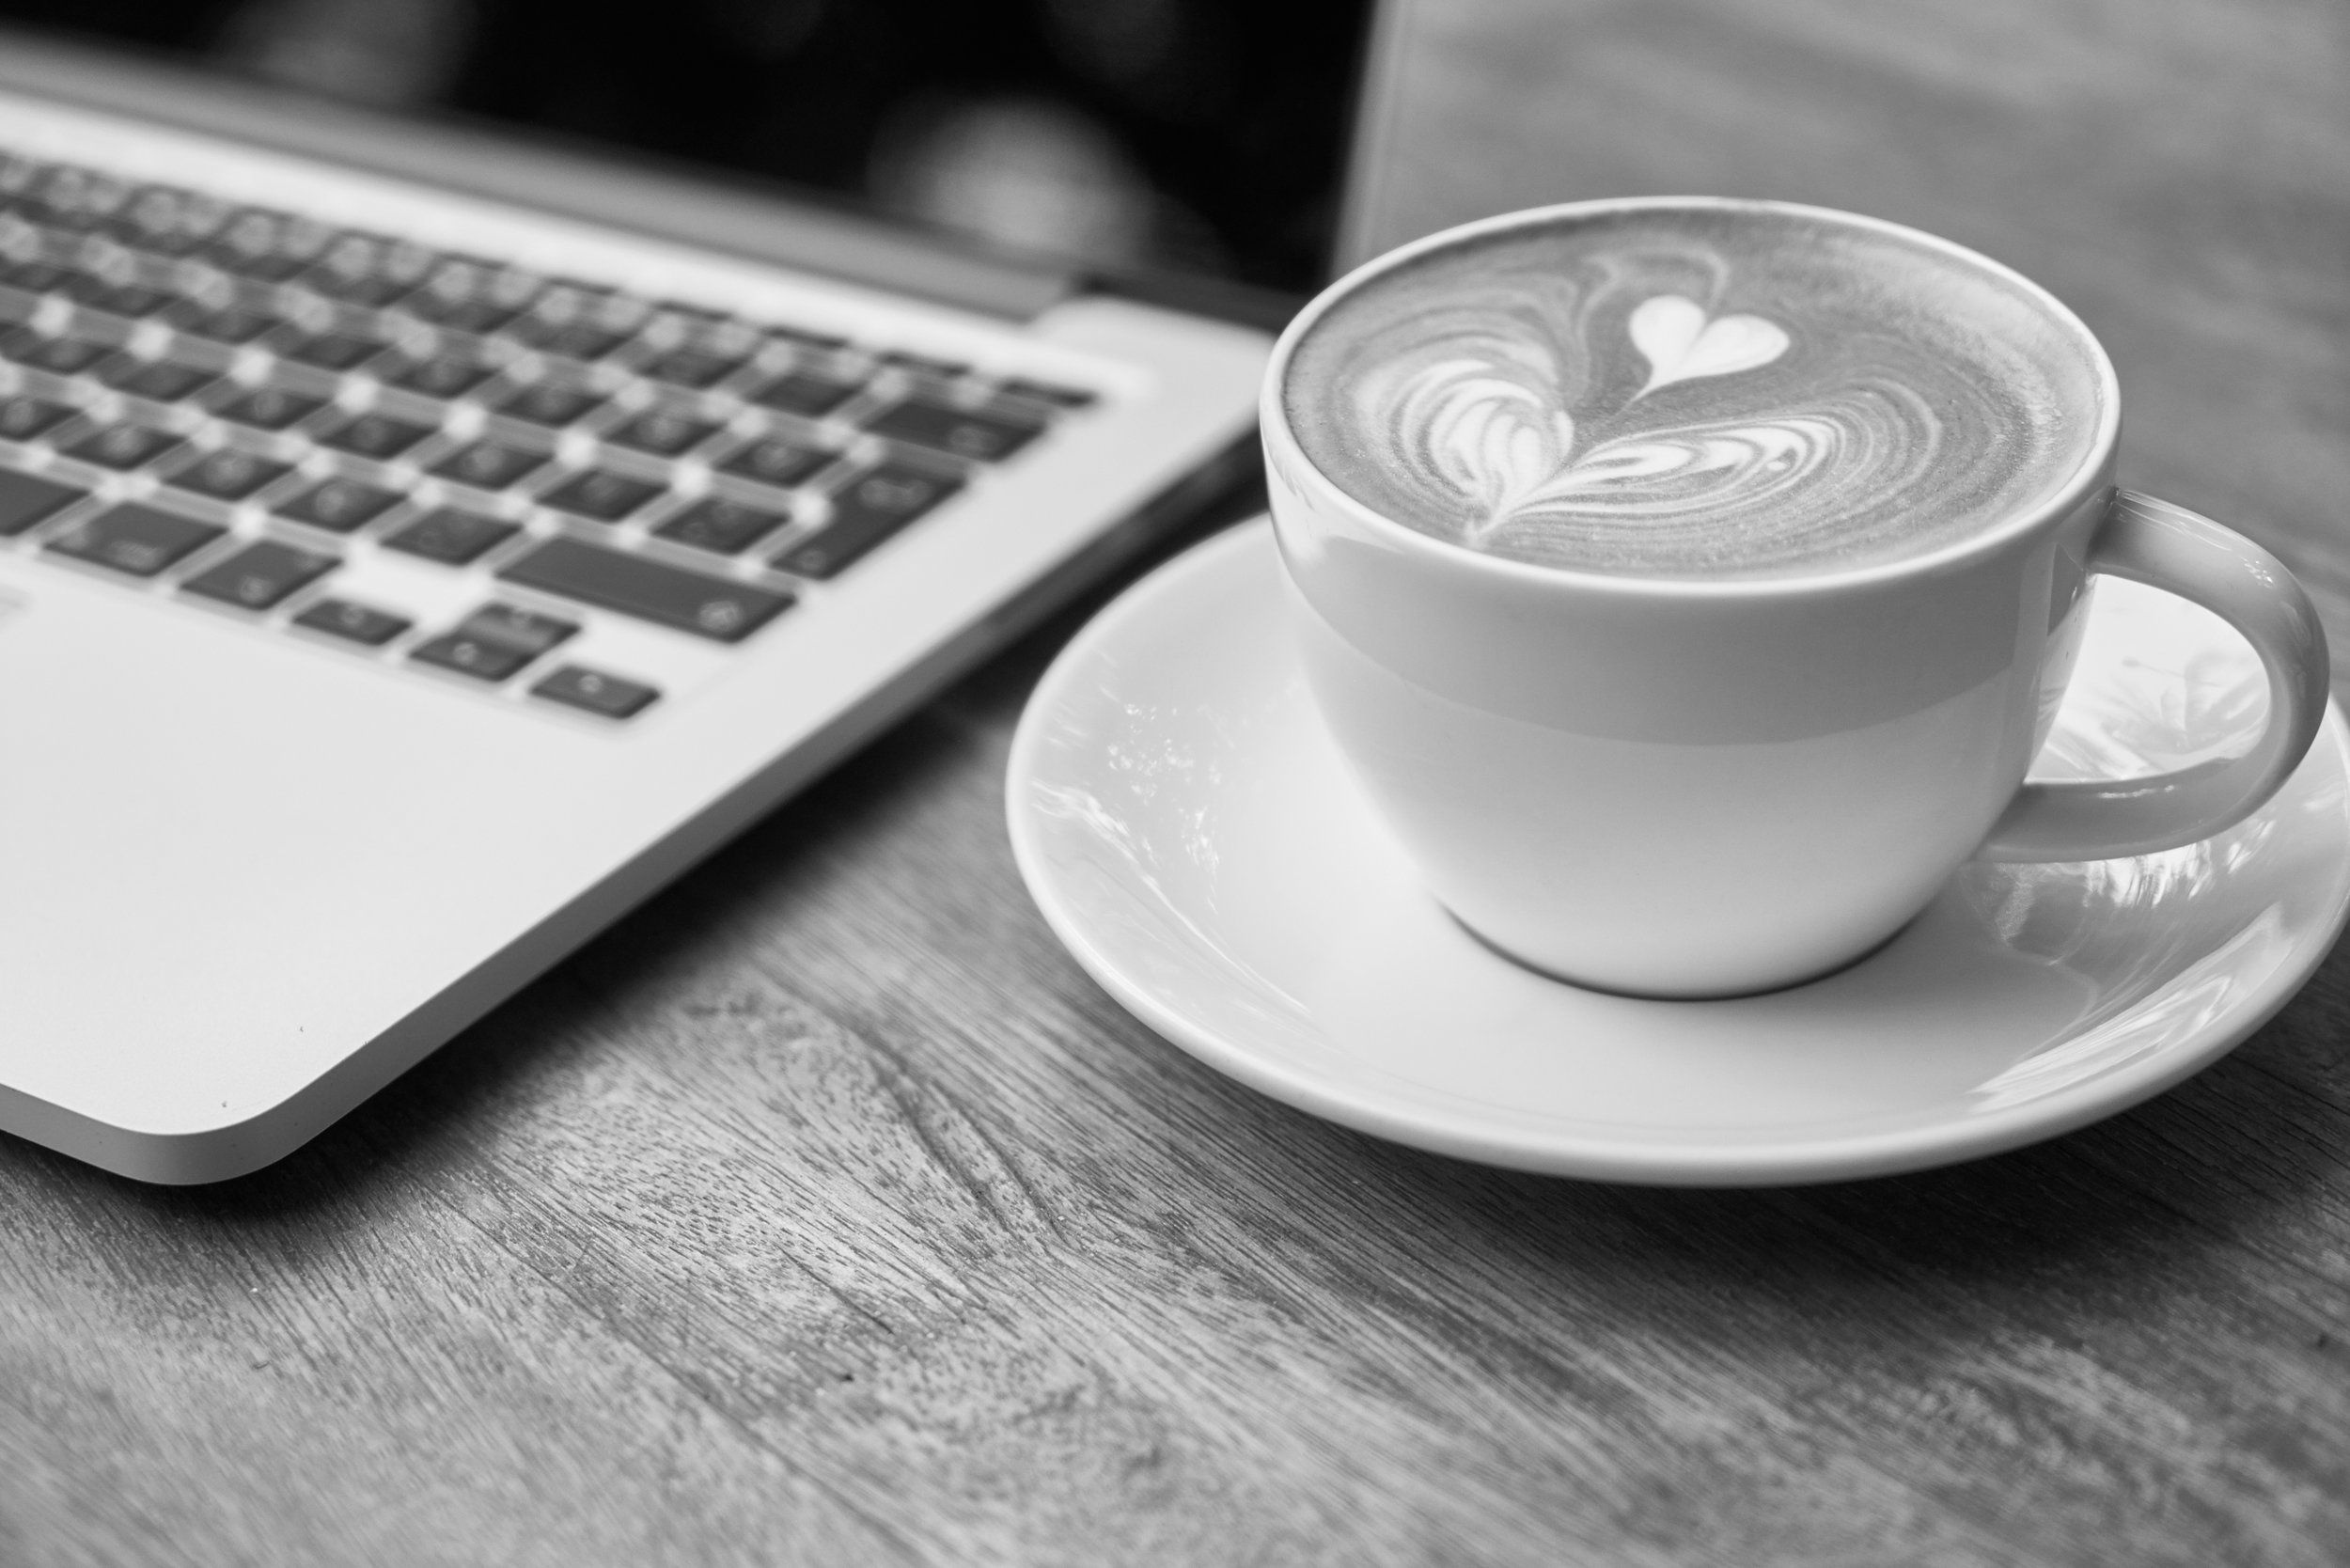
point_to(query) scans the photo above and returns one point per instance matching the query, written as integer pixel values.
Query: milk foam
(1707, 391)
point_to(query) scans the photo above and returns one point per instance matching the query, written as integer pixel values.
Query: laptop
(416, 546)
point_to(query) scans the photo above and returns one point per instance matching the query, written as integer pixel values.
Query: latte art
(1680, 342)
(1695, 392)
(1497, 438)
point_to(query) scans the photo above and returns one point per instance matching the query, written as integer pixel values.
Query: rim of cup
(2060, 500)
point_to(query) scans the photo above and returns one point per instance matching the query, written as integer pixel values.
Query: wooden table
(824, 1211)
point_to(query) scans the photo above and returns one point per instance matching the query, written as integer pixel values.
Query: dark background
(1204, 135)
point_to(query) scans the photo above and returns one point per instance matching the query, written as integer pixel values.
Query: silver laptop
(399, 581)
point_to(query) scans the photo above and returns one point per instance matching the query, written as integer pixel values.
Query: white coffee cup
(1700, 787)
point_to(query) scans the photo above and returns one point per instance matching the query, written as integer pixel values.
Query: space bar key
(667, 595)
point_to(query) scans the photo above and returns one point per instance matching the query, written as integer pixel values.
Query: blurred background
(1199, 135)
(2172, 168)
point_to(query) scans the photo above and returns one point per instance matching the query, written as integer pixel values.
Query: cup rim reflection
(2061, 500)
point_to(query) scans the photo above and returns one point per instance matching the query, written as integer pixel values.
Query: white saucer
(1185, 824)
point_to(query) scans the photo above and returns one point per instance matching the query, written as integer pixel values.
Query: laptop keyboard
(226, 399)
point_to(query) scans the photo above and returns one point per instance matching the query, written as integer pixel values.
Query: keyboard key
(490, 282)
(489, 464)
(665, 595)
(232, 324)
(347, 270)
(340, 506)
(27, 499)
(20, 178)
(777, 460)
(567, 300)
(442, 375)
(663, 431)
(606, 696)
(375, 435)
(227, 473)
(372, 292)
(799, 338)
(728, 337)
(260, 576)
(983, 436)
(553, 403)
(924, 364)
(268, 247)
(59, 356)
(580, 322)
(601, 494)
(23, 417)
(353, 622)
(806, 393)
(526, 630)
(471, 296)
(34, 278)
(140, 541)
(119, 298)
(474, 315)
(694, 366)
(735, 339)
(367, 269)
(21, 182)
(95, 256)
(248, 234)
(479, 658)
(451, 537)
(259, 266)
(562, 304)
(720, 524)
(162, 380)
(692, 319)
(79, 198)
(581, 341)
(269, 408)
(167, 221)
(865, 512)
(334, 351)
(1047, 392)
(124, 447)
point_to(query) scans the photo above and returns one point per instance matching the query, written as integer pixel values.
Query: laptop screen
(1197, 136)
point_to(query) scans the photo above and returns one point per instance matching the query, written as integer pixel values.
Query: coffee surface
(1694, 392)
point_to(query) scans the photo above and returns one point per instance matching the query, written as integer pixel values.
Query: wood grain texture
(823, 1212)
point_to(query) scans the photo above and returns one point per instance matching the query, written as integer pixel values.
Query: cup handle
(2171, 548)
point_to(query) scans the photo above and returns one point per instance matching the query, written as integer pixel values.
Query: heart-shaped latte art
(1682, 345)
(1675, 395)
